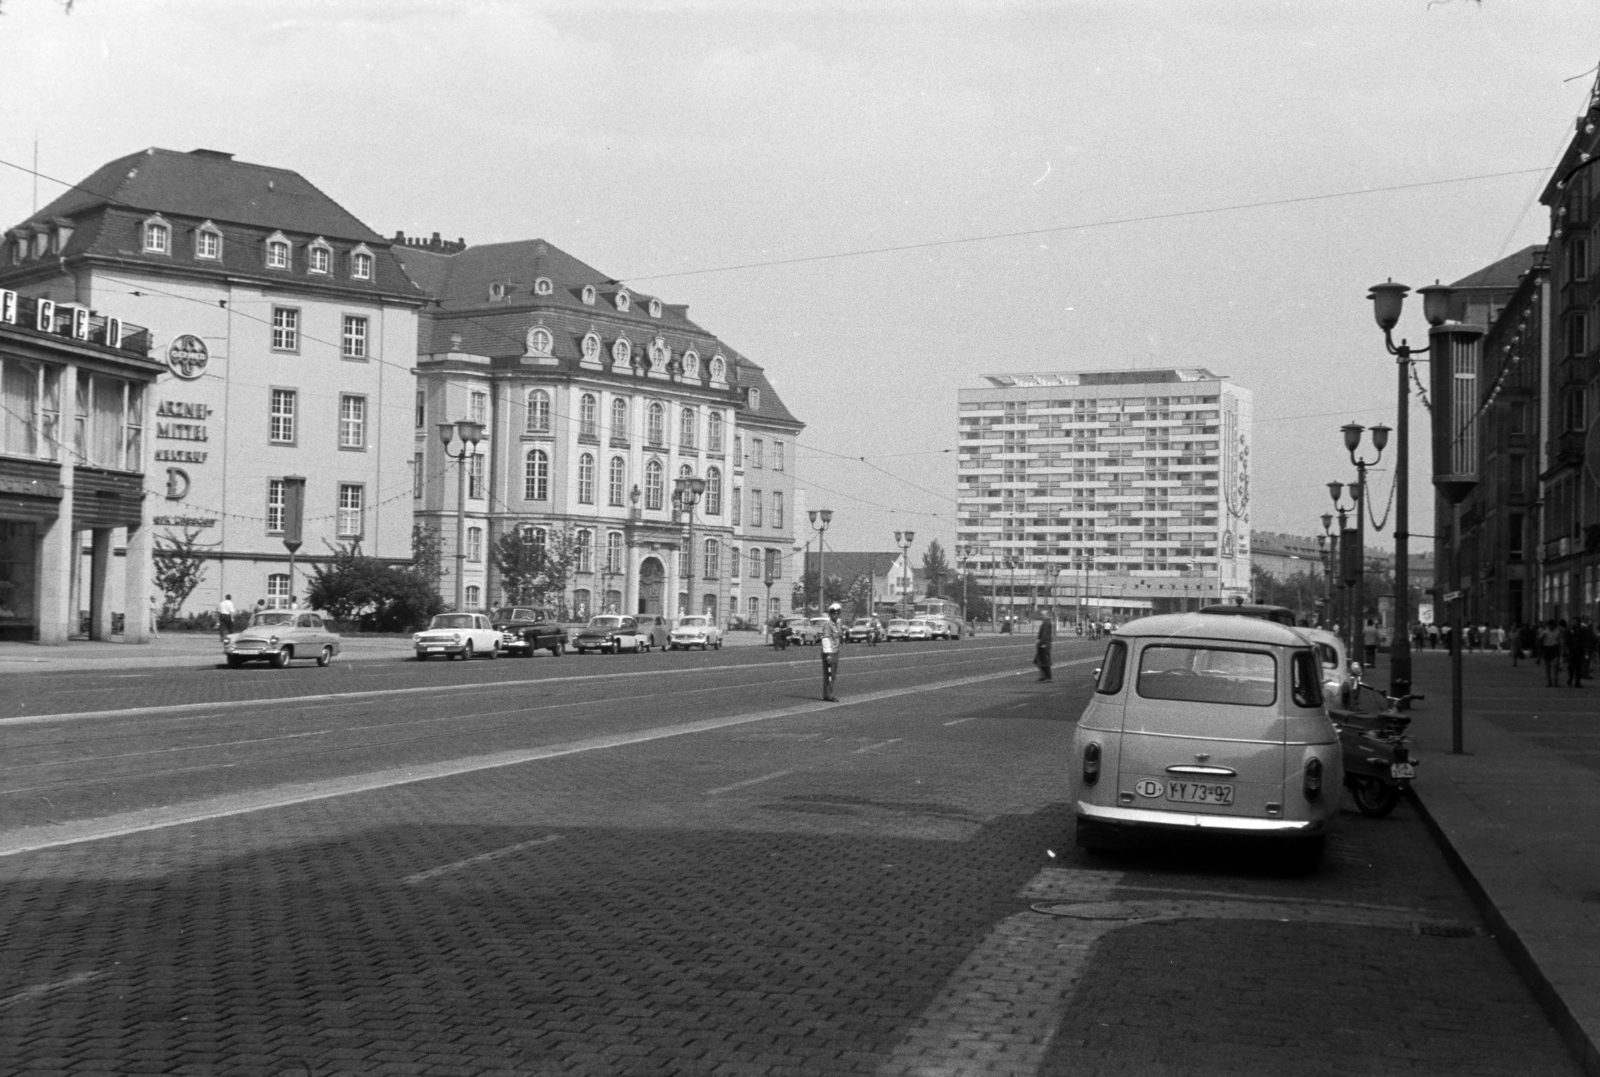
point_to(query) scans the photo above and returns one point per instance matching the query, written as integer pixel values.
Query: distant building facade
(288, 332)
(595, 399)
(1105, 494)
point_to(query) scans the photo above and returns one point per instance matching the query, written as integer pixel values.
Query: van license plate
(1200, 793)
(1402, 770)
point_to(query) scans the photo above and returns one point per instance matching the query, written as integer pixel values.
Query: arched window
(655, 308)
(619, 418)
(580, 603)
(585, 544)
(713, 491)
(474, 596)
(157, 236)
(711, 559)
(691, 364)
(591, 348)
(538, 411)
(588, 419)
(540, 341)
(613, 551)
(714, 432)
(588, 294)
(586, 479)
(536, 476)
(616, 481)
(621, 351)
(653, 485)
(688, 425)
(543, 286)
(623, 299)
(719, 368)
(656, 430)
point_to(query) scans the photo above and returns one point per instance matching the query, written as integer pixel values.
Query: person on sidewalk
(1433, 637)
(1550, 652)
(1041, 649)
(832, 640)
(155, 617)
(225, 616)
(1516, 643)
(1572, 643)
(1369, 643)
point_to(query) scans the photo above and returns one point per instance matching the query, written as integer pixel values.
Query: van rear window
(1208, 675)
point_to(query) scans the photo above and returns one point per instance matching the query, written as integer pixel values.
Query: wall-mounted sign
(177, 484)
(184, 521)
(187, 357)
(180, 456)
(182, 409)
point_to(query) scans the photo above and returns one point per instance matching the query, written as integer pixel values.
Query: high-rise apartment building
(1105, 495)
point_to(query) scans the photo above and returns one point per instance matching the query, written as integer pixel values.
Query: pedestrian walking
(1550, 653)
(1041, 649)
(1433, 637)
(1369, 642)
(832, 640)
(1516, 644)
(155, 617)
(1572, 643)
(225, 616)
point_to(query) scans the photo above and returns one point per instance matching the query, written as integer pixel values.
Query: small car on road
(1204, 723)
(898, 629)
(698, 630)
(919, 628)
(457, 635)
(281, 636)
(865, 630)
(802, 630)
(613, 632)
(526, 629)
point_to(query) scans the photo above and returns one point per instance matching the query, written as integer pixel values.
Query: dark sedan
(526, 629)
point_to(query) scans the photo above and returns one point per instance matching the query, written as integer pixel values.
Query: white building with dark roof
(595, 399)
(288, 329)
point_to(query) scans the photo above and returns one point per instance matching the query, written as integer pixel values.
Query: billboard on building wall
(1425, 612)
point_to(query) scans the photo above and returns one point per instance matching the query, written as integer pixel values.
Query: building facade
(75, 390)
(594, 400)
(1105, 494)
(287, 329)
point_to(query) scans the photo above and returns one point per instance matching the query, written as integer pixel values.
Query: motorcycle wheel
(1375, 797)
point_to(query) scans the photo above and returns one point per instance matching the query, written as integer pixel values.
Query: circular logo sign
(187, 357)
(1149, 787)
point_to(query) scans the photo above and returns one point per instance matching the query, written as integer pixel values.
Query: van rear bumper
(1143, 818)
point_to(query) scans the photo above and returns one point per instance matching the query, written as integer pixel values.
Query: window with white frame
(355, 336)
(588, 416)
(621, 351)
(538, 412)
(758, 453)
(754, 397)
(755, 563)
(208, 242)
(738, 506)
(536, 476)
(719, 368)
(422, 408)
(755, 508)
(275, 502)
(688, 425)
(278, 251)
(544, 286)
(586, 479)
(777, 456)
(278, 591)
(619, 419)
(585, 551)
(656, 430)
(738, 450)
(281, 417)
(351, 497)
(352, 421)
(588, 294)
(712, 559)
(773, 608)
(157, 236)
(623, 300)
(474, 544)
(653, 485)
(616, 481)
(474, 596)
(753, 608)
(713, 491)
(475, 464)
(591, 348)
(416, 474)
(714, 432)
(540, 341)
(285, 329)
(777, 508)
(691, 364)
(320, 258)
(361, 264)
(479, 406)
(613, 551)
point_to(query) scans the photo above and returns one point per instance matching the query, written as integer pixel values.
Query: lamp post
(1347, 554)
(820, 519)
(469, 434)
(686, 493)
(1328, 544)
(1362, 494)
(904, 539)
(1387, 301)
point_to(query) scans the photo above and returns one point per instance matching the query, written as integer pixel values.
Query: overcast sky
(660, 138)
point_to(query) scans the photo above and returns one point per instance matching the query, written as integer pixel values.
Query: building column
(54, 558)
(99, 580)
(138, 586)
(630, 580)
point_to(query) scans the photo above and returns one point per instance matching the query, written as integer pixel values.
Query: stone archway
(652, 582)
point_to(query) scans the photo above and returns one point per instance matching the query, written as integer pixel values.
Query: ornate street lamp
(904, 539)
(820, 519)
(468, 434)
(686, 494)
(1359, 491)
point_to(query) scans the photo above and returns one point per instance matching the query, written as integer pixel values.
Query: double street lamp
(820, 519)
(1350, 555)
(469, 434)
(686, 493)
(1362, 493)
(904, 539)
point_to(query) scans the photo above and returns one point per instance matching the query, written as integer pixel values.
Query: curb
(1584, 1050)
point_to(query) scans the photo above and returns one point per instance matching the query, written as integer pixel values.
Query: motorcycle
(1379, 764)
(780, 636)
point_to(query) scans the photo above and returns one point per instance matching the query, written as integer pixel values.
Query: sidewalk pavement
(1517, 814)
(203, 650)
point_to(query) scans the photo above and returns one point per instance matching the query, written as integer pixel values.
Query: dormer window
(659, 354)
(544, 286)
(320, 258)
(753, 396)
(591, 348)
(41, 244)
(655, 308)
(719, 368)
(208, 242)
(623, 299)
(621, 351)
(691, 364)
(588, 294)
(361, 263)
(278, 251)
(497, 290)
(157, 237)
(540, 341)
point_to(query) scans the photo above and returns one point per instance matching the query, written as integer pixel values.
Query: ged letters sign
(187, 357)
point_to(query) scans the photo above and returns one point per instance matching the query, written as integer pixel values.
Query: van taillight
(1091, 763)
(1313, 778)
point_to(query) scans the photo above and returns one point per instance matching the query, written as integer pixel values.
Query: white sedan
(919, 629)
(457, 635)
(695, 631)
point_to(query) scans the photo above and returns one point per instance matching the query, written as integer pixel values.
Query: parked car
(657, 632)
(612, 632)
(1340, 676)
(280, 636)
(457, 635)
(919, 628)
(1201, 723)
(802, 630)
(526, 629)
(1282, 615)
(698, 630)
(865, 630)
(897, 629)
